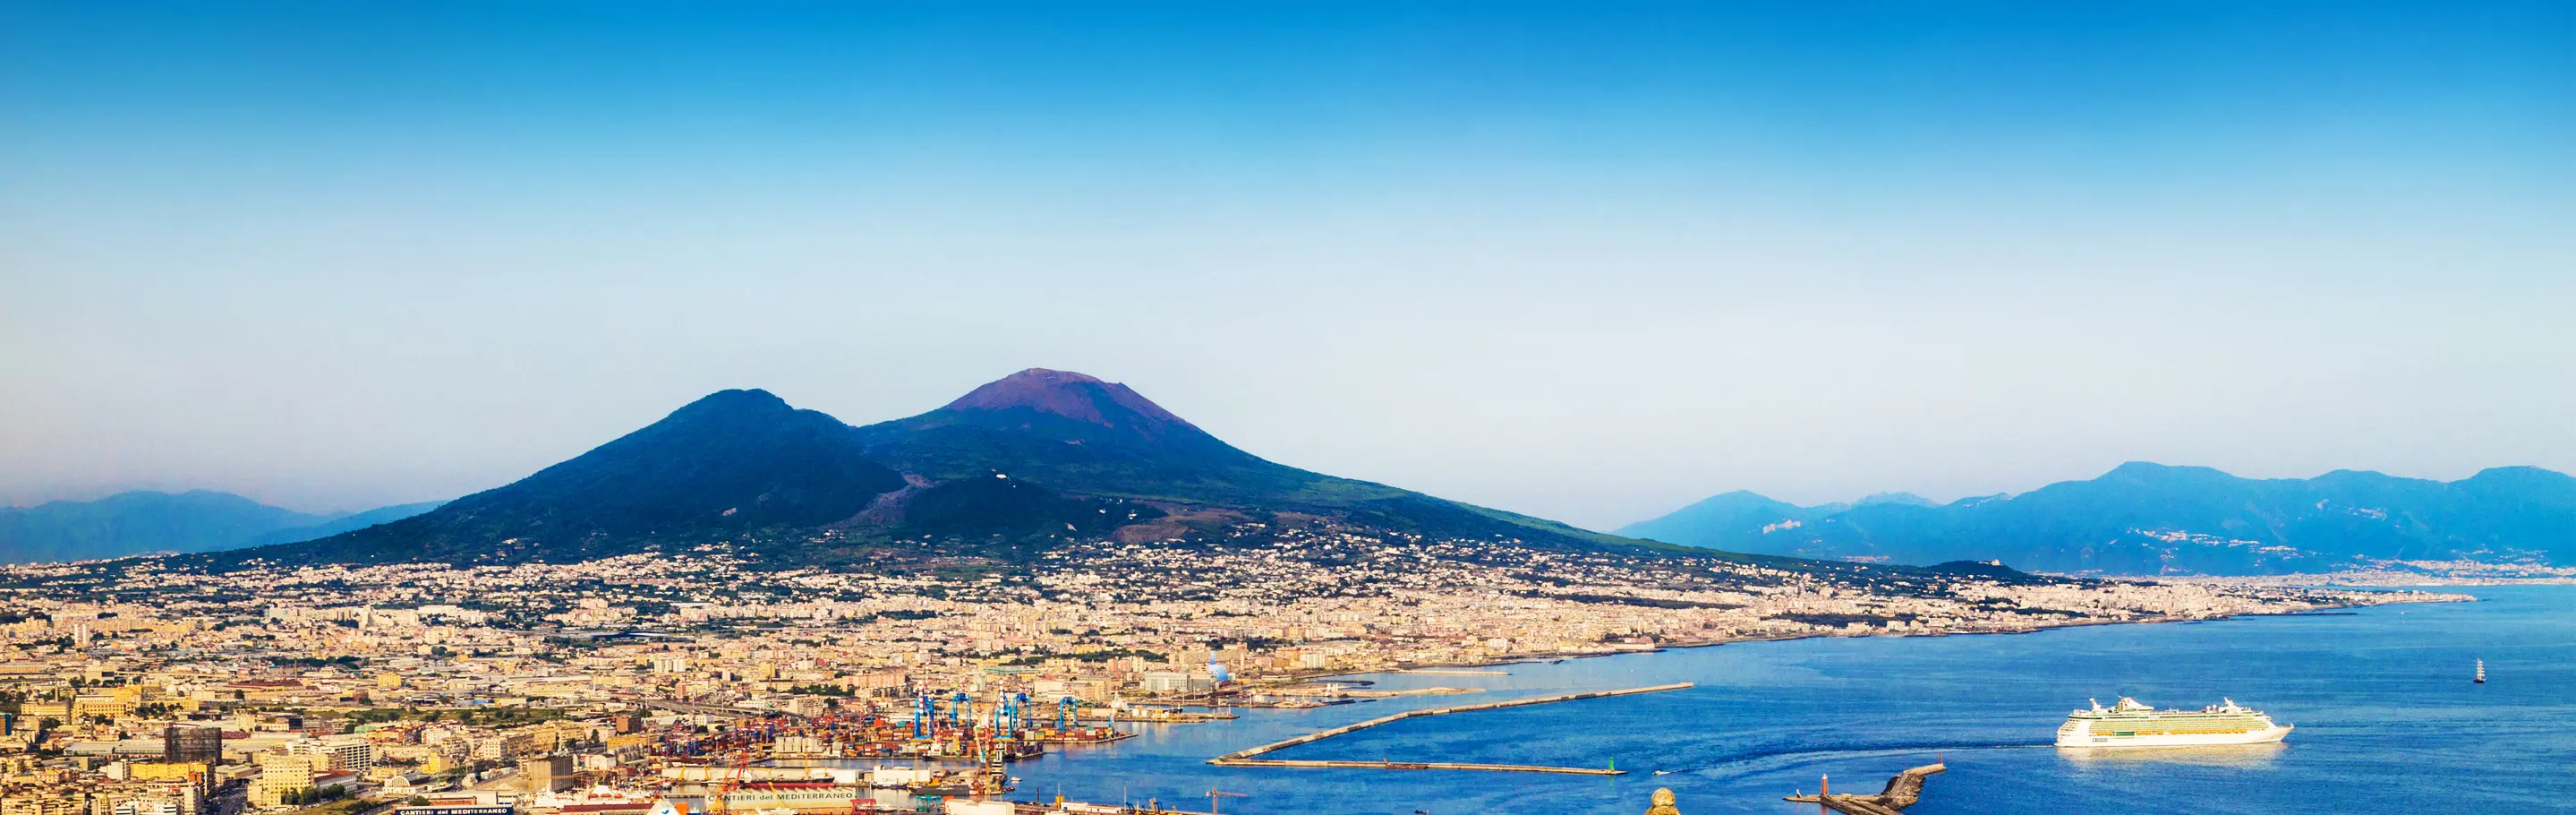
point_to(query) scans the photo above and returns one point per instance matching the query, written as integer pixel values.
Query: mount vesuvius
(1003, 473)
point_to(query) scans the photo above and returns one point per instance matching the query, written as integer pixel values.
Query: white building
(1177, 682)
(354, 754)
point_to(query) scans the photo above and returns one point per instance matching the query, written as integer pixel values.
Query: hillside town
(131, 688)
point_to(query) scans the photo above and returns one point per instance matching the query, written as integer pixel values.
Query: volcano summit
(1012, 469)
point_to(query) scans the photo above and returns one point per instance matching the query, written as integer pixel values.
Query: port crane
(732, 780)
(1213, 795)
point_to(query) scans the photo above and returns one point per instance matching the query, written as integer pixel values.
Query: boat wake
(1764, 761)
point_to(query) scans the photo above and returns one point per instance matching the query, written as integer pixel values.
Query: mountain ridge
(2148, 518)
(733, 460)
(147, 521)
(1015, 466)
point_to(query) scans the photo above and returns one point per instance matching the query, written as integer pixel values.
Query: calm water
(2387, 722)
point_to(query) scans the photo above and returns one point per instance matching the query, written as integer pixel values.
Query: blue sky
(1583, 261)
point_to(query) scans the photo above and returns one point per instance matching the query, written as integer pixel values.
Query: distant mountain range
(999, 475)
(2149, 519)
(144, 522)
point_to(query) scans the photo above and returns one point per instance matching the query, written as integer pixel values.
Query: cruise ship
(2133, 724)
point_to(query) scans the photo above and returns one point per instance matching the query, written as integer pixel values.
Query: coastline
(2380, 580)
(2336, 609)
(2305, 675)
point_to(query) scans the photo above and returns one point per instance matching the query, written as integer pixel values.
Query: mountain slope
(731, 462)
(2144, 518)
(1083, 436)
(344, 523)
(1033, 460)
(1722, 517)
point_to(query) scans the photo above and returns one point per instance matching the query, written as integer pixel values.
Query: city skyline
(1587, 266)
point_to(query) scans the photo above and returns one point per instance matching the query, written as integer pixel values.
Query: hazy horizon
(1586, 263)
(102, 491)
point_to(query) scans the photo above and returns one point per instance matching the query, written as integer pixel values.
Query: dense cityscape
(606, 686)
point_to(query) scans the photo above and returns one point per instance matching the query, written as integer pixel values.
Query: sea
(2387, 720)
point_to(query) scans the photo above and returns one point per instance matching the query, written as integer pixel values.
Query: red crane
(716, 803)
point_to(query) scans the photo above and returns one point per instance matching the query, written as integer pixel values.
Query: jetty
(1390, 694)
(1246, 757)
(1901, 792)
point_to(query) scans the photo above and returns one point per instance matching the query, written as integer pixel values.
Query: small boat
(1663, 772)
(2482, 673)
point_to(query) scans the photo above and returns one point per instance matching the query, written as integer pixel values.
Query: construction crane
(1064, 710)
(1213, 795)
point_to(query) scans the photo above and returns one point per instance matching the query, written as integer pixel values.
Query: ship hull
(2086, 740)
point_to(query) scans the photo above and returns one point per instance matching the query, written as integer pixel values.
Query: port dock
(1901, 792)
(1246, 757)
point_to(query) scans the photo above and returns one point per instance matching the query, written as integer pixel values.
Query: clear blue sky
(1575, 260)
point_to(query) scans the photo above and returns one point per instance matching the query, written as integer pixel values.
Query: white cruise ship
(2132, 724)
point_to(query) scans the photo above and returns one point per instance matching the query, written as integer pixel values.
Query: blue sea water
(2388, 722)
